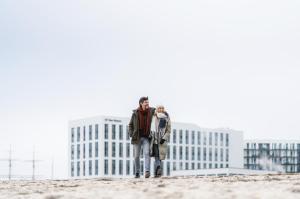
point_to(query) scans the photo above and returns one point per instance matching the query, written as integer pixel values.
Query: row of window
(190, 138)
(273, 146)
(119, 171)
(177, 152)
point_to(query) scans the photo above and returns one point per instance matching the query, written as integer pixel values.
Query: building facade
(273, 155)
(100, 147)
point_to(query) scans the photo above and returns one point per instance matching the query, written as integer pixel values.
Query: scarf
(144, 122)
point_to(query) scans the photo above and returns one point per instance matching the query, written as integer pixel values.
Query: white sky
(215, 63)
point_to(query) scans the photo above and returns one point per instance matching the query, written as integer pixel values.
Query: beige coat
(163, 148)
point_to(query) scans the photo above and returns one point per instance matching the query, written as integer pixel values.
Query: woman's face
(160, 109)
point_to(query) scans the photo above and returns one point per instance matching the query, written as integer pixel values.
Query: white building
(272, 155)
(100, 147)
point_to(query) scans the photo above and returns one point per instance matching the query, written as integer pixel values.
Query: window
(78, 151)
(84, 133)
(113, 135)
(105, 131)
(174, 166)
(227, 155)
(204, 139)
(199, 138)
(221, 138)
(210, 154)
(168, 153)
(90, 149)
(96, 167)
(127, 167)
(90, 167)
(105, 167)
(72, 135)
(121, 150)
(96, 131)
(78, 134)
(120, 132)
(193, 137)
(96, 149)
(83, 168)
(72, 152)
(216, 154)
(113, 167)
(90, 132)
(222, 156)
(174, 152)
(83, 151)
(127, 132)
(198, 166)
(186, 153)
(204, 154)
(227, 139)
(216, 139)
(210, 138)
(186, 166)
(180, 152)
(113, 149)
(127, 150)
(180, 136)
(193, 153)
(120, 167)
(168, 168)
(193, 166)
(187, 137)
(106, 149)
(174, 136)
(78, 168)
(198, 153)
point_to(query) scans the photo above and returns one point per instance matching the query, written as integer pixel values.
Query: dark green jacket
(134, 125)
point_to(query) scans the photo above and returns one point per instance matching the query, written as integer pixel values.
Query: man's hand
(162, 141)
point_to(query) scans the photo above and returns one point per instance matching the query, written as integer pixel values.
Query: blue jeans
(156, 156)
(145, 143)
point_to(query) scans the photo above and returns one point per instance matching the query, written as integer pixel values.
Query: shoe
(147, 174)
(137, 175)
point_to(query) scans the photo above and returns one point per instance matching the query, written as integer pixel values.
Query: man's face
(145, 105)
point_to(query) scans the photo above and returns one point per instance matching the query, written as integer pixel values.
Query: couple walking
(149, 128)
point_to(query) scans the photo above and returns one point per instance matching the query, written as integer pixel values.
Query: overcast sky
(216, 63)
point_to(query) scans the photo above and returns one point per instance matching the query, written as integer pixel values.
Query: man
(139, 131)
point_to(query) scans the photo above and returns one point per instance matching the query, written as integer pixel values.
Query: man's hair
(142, 99)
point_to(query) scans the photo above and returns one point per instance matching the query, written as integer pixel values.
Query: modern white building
(100, 147)
(272, 155)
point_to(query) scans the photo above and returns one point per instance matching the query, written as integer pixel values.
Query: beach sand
(263, 186)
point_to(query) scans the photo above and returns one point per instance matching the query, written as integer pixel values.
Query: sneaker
(137, 175)
(147, 174)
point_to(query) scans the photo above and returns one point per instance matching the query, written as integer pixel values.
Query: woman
(160, 131)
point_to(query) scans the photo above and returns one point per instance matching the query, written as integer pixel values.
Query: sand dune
(265, 186)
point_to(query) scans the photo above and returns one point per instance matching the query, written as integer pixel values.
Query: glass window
(105, 131)
(72, 135)
(72, 169)
(222, 139)
(222, 156)
(210, 138)
(120, 132)
(187, 137)
(72, 152)
(90, 149)
(106, 149)
(193, 137)
(120, 167)
(113, 168)
(216, 139)
(174, 166)
(210, 154)
(127, 132)
(199, 138)
(199, 154)
(113, 131)
(96, 167)
(78, 151)
(113, 149)
(216, 154)
(174, 152)
(83, 151)
(90, 132)
(96, 131)
(204, 154)
(204, 139)
(227, 155)
(180, 152)
(96, 149)
(186, 153)
(90, 167)
(227, 139)
(121, 150)
(84, 133)
(174, 136)
(127, 167)
(127, 150)
(78, 168)
(193, 153)
(105, 167)
(78, 134)
(180, 136)
(168, 168)
(83, 168)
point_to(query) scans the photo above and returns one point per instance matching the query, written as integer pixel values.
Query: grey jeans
(145, 143)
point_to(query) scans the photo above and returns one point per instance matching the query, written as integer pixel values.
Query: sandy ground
(266, 186)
